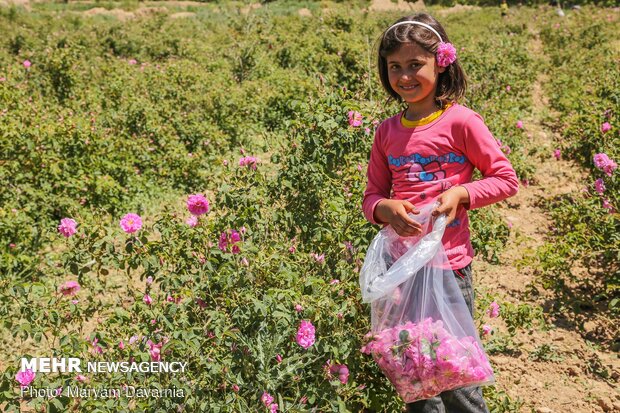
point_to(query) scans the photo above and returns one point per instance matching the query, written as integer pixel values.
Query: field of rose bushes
(190, 189)
(584, 86)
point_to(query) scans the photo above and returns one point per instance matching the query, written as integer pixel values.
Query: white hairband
(445, 54)
(418, 23)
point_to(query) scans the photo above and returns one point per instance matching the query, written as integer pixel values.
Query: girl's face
(413, 74)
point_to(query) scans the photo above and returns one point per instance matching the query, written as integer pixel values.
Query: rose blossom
(604, 163)
(70, 288)
(305, 334)
(266, 398)
(24, 378)
(197, 204)
(192, 221)
(155, 350)
(131, 223)
(446, 54)
(67, 227)
(493, 310)
(248, 161)
(605, 127)
(355, 118)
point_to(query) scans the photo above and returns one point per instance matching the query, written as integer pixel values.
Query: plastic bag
(423, 337)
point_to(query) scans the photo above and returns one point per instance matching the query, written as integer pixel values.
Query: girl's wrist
(463, 194)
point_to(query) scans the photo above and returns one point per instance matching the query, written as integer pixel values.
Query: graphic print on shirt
(427, 169)
(424, 173)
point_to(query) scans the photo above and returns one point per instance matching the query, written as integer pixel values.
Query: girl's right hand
(394, 212)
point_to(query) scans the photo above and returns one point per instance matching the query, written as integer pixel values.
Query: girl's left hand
(450, 201)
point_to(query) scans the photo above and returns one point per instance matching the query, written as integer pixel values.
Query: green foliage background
(115, 117)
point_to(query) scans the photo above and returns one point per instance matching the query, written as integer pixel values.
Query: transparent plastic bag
(423, 337)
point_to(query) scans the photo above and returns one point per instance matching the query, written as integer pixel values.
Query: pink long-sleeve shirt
(418, 164)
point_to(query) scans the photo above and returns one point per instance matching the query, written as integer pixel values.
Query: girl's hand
(394, 212)
(450, 201)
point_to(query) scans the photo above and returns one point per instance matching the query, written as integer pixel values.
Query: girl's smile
(413, 74)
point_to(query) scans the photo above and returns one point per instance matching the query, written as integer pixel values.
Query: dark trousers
(466, 399)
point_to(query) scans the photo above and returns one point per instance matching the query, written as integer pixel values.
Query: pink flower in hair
(446, 54)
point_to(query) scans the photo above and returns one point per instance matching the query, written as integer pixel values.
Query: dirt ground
(566, 384)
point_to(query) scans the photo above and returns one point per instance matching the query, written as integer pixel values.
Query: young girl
(428, 152)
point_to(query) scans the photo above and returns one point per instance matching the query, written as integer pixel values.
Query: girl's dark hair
(451, 84)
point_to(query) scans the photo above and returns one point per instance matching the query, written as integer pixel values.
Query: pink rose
(248, 161)
(27, 64)
(197, 204)
(486, 329)
(147, 299)
(24, 378)
(192, 221)
(305, 334)
(234, 236)
(493, 310)
(67, 227)
(605, 127)
(446, 54)
(69, 288)
(355, 118)
(318, 258)
(608, 206)
(267, 399)
(599, 185)
(558, 154)
(131, 223)
(603, 162)
(520, 124)
(155, 350)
